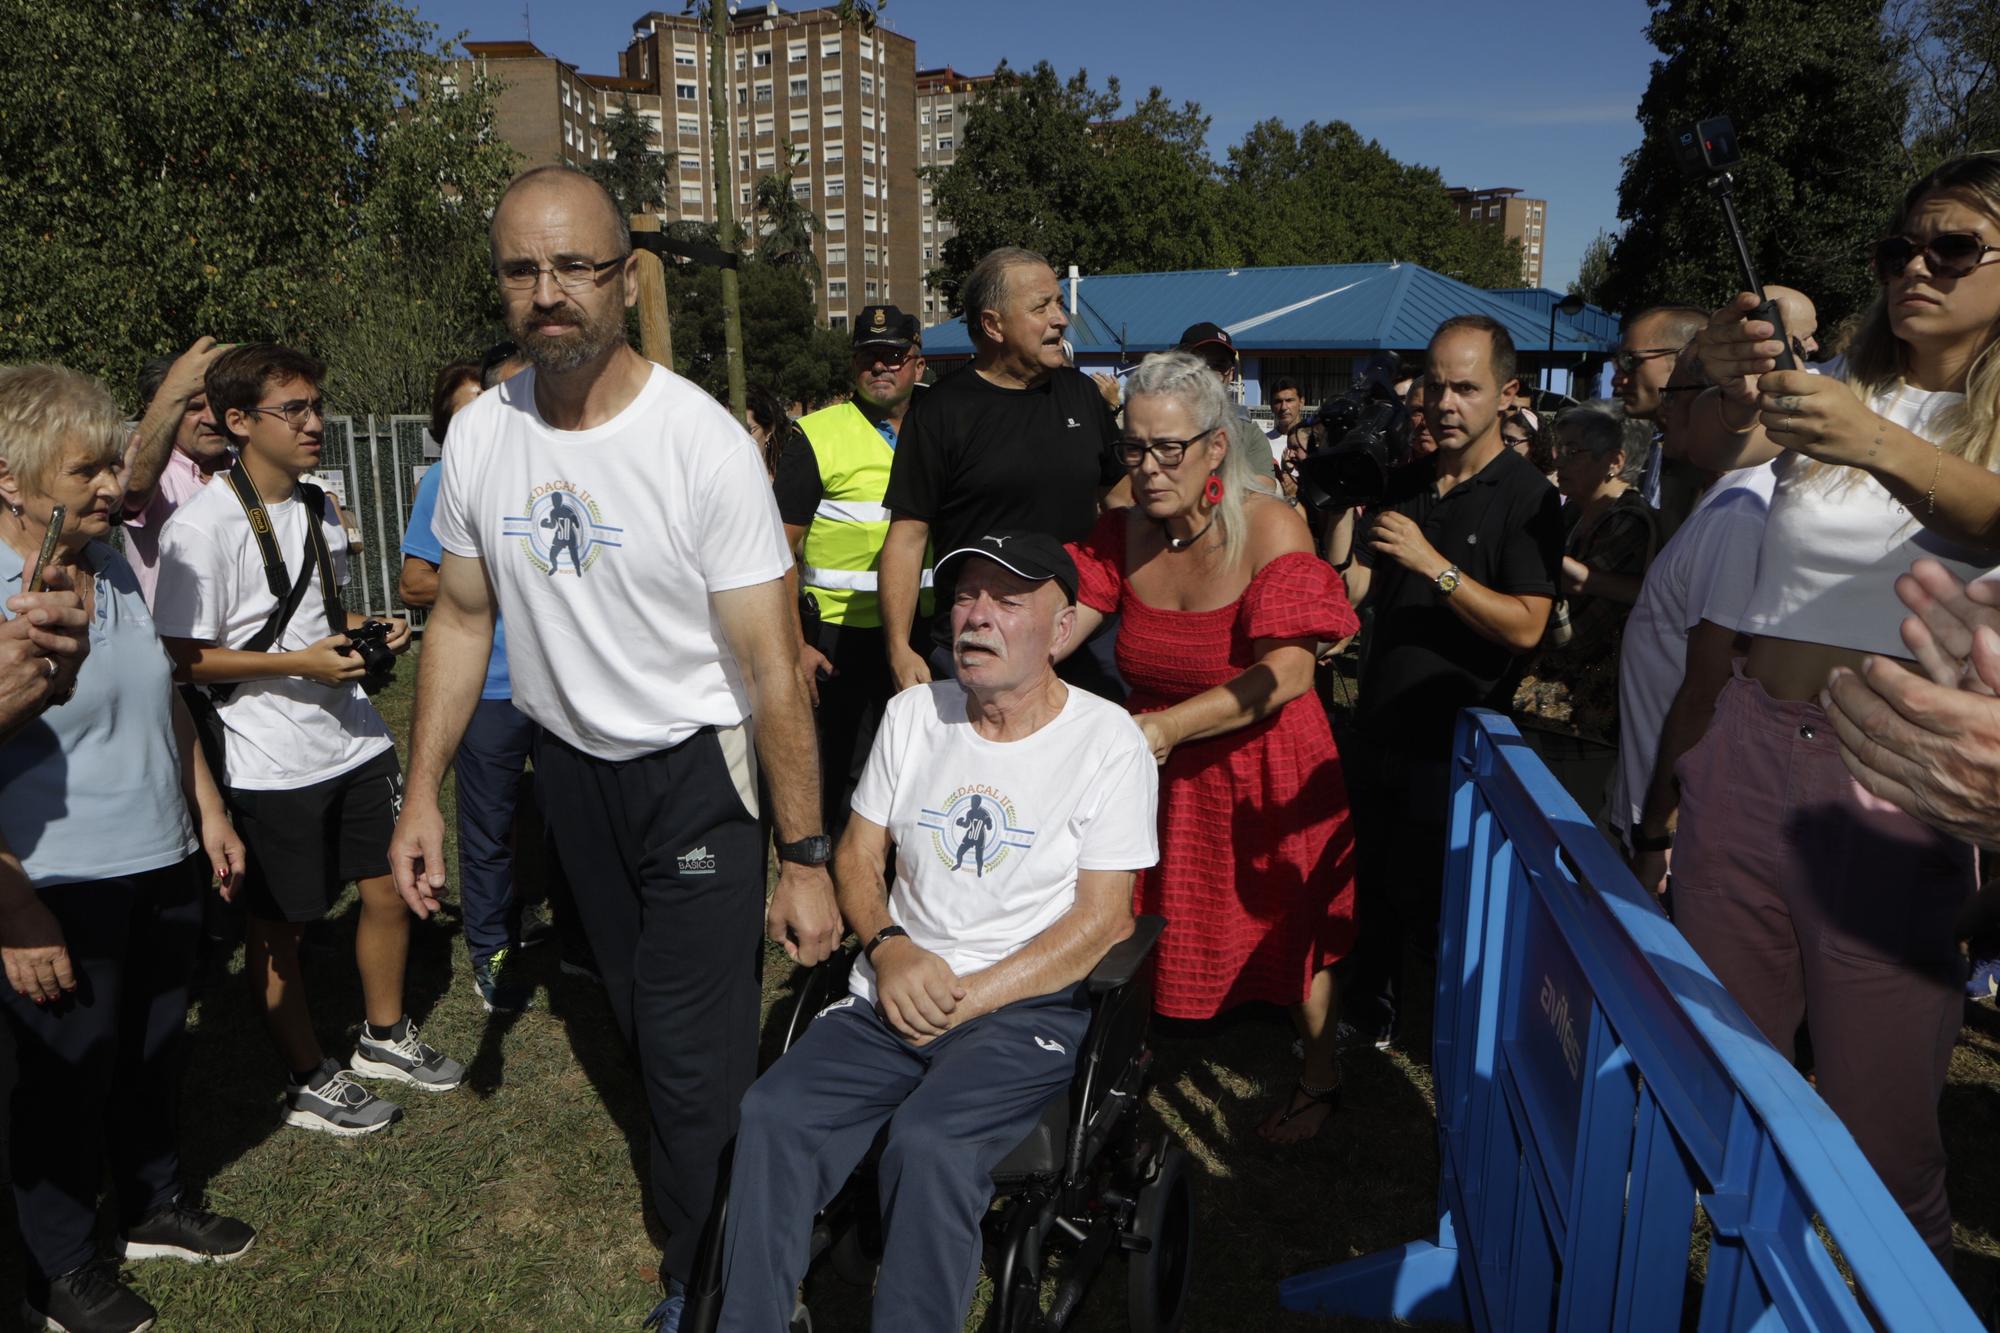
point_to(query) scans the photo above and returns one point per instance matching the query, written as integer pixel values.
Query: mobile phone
(49, 540)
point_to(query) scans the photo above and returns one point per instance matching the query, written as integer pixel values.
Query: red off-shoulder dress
(1256, 872)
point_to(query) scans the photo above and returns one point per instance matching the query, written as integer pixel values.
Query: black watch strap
(886, 933)
(1663, 842)
(814, 851)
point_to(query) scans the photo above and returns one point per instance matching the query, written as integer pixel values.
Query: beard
(561, 353)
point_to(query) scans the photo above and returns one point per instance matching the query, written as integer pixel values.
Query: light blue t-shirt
(92, 790)
(421, 542)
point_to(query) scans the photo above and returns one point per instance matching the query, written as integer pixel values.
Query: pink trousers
(1816, 903)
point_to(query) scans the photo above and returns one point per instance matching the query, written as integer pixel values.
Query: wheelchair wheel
(1156, 1282)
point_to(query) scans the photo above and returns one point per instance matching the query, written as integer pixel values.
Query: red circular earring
(1211, 489)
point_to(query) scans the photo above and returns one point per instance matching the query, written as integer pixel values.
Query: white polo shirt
(603, 547)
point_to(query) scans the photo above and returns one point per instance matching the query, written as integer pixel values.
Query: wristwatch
(814, 851)
(1448, 580)
(886, 933)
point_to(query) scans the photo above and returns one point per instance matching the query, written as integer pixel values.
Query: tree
(1594, 270)
(1323, 195)
(1815, 89)
(138, 210)
(784, 344)
(1953, 67)
(785, 228)
(1045, 163)
(635, 172)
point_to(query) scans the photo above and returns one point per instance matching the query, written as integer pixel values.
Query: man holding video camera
(1460, 564)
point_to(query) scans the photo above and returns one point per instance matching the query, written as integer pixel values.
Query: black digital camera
(370, 640)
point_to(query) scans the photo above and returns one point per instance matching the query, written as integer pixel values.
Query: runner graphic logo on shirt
(563, 528)
(975, 830)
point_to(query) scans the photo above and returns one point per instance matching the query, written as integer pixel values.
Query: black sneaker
(536, 928)
(402, 1057)
(332, 1103)
(583, 967)
(181, 1232)
(90, 1299)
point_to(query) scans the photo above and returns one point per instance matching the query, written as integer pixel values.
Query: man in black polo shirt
(1016, 442)
(1460, 567)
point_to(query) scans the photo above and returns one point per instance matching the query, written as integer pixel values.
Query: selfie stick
(1723, 188)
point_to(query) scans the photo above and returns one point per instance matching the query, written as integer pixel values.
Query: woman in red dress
(1223, 605)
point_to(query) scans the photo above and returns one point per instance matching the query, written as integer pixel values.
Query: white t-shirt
(1706, 572)
(1279, 443)
(990, 835)
(284, 733)
(603, 547)
(1837, 541)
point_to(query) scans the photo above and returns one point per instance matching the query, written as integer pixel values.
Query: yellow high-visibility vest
(843, 547)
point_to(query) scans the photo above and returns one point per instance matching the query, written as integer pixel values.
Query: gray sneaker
(404, 1058)
(332, 1103)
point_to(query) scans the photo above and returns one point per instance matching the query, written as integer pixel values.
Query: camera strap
(289, 592)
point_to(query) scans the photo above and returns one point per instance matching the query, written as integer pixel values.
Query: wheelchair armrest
(1125, 958)
(823, 985)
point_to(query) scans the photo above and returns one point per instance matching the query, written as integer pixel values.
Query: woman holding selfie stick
(101, 797)
(1810, 899)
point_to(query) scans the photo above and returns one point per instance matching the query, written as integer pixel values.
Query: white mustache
(966, 641)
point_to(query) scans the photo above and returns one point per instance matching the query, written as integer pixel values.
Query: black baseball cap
(1029, 554)
(886, 326)
(1202, 334)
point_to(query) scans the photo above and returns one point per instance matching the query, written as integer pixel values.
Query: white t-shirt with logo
(603, 547)
(280, 734)
(990, 835)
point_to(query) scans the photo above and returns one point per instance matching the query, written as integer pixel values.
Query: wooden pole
(656, 335)
(720, 158)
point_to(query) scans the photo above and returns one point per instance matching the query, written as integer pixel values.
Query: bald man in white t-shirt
(620, 520)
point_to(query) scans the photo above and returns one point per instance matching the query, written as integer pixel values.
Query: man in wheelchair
(1020, 810)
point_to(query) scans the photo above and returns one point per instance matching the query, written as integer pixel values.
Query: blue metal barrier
(1594, 1082)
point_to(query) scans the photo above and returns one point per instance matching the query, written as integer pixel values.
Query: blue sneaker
(1984, 983)
(502, 990)
(666, 1316)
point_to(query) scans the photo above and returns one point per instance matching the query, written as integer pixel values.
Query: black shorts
(306, 843)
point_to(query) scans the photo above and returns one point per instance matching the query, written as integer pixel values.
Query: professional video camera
(1707, 153)
(1368, 436)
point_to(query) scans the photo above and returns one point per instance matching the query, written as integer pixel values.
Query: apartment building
(1517, 217)
(835, 102)
(943, 96)
(549, 111)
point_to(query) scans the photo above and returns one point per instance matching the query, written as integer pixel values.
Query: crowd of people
(1027, 652)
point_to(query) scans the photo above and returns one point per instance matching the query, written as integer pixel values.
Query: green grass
(514, 1203)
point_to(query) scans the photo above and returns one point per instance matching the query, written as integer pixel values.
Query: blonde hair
(1876, 357)
(43, 409)
(1185, 376)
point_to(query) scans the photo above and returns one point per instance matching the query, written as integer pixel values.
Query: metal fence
(372, 464)
(1595, 1084)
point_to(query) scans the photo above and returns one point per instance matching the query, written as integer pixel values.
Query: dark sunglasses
(1950, 254)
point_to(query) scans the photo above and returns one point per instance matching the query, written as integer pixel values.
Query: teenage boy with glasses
(309, 768)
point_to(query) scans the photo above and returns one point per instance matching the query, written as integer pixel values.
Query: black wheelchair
(1088, 1179)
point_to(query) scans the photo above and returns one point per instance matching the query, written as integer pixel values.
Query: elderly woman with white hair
(101, 799)
(1224, 605)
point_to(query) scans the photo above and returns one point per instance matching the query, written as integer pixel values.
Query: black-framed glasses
(1949, 254)
(572, 275)
(296, 413)
(1131, 453)
(1628, 361)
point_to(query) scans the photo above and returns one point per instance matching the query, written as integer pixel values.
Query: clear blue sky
(1541, 96)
